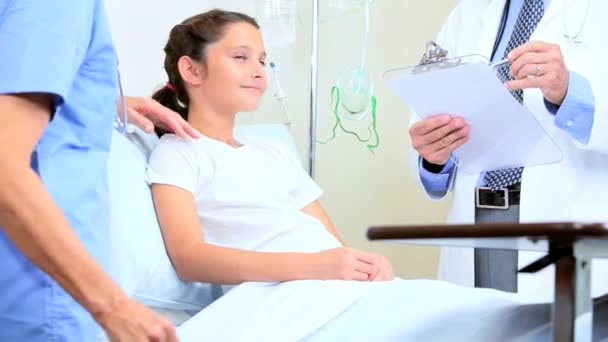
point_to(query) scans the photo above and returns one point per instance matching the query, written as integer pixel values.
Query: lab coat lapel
(555, 8)
(489, 26)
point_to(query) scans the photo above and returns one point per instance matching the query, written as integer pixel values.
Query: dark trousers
(495, 268)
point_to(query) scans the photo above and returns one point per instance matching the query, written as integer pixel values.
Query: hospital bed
(139, 262)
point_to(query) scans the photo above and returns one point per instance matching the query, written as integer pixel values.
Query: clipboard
(504, 133)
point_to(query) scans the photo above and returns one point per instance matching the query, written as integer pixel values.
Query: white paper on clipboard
(504, 133)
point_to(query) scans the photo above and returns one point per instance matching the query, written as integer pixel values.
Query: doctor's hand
(345, 263)
(540, 65)
(132, 321)
(436, 137)
(145, 113)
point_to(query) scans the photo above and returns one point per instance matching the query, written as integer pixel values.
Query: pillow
(136, 245)
(138, 259)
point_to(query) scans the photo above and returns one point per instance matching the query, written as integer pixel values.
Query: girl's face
(234, 78)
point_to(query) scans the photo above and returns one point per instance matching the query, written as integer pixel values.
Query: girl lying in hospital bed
(241, 211)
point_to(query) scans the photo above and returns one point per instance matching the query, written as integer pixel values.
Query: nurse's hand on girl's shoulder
(436, 137)
(145, 113)
(130, 320)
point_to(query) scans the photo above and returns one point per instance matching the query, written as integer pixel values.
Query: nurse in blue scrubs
(57, 104)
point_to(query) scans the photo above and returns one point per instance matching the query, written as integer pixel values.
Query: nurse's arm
(37, 227)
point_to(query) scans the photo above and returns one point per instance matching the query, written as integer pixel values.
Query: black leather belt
(503, 198)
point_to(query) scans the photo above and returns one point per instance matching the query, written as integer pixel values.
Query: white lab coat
(575, 189)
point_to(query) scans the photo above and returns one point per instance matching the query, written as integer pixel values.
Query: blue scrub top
(61, 47)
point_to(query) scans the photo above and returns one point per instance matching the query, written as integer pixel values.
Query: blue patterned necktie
(531, 13)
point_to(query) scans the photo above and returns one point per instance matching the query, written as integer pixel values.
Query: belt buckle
(481, 193)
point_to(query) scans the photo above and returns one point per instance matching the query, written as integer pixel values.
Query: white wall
(360, 189)
(140, 30)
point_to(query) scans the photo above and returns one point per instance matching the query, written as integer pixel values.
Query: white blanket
(273, 312)
(388, 311)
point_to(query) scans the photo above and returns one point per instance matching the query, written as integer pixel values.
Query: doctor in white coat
(563, 71)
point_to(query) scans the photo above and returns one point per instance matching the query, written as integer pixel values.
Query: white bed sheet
(390, 311)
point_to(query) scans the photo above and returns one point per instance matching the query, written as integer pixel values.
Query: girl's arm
(195, 260)
(382, 266)
(315, 210)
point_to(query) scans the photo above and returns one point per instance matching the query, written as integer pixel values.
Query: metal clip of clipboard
(435, 57)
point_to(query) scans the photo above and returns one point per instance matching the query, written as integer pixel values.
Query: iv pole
(314, 73)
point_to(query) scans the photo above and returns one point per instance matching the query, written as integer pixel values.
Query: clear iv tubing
(366, 33)
(365, 4)
(280, 95)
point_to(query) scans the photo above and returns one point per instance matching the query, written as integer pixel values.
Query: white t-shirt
(248, 197)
